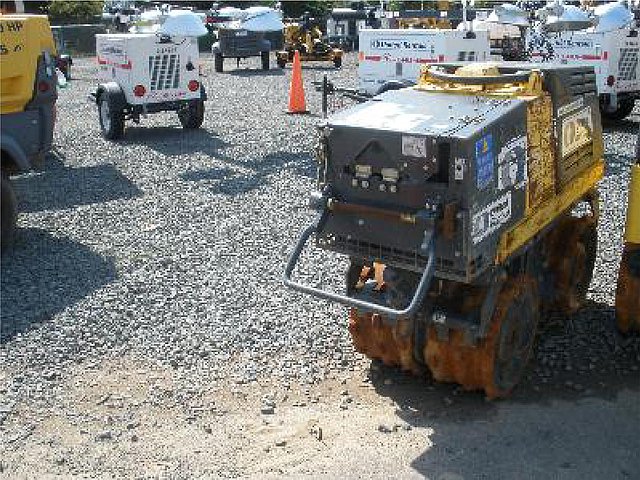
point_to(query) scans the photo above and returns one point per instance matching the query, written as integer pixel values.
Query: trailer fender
(13, 156)
(394, 85)
(114, 91)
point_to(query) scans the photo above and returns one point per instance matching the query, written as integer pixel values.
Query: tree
(75, 11)
(316, 9)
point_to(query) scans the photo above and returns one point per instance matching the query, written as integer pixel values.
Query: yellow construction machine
(308, 41)
(467, 207)
(28, 92)
(628, 291)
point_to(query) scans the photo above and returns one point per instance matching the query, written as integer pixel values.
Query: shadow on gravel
(617, 164)
(575, 357)
(174, 140)
(627, 125)
(58, 187)
(249, 72)
(227, 181)
(320, 66)
(554, 420)
(42, 275)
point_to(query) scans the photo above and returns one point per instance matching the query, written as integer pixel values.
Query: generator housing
(150, 69)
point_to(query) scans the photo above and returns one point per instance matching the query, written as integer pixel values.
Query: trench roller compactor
(467, 206)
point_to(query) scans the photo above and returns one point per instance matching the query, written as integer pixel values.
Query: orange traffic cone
(296, 92)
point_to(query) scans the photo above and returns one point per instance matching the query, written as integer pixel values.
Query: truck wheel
(192, 115)
(337, 62)
(8, 214)
(625, 107)
(111, 117)
(219, 62)
(264, 56)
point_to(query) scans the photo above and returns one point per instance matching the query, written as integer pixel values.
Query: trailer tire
(264, 57)
(111, 116)
(219, 62)
(9, 214)
(192, 116)
(625, 107)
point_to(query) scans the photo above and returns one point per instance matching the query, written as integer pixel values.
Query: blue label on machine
(484, 161)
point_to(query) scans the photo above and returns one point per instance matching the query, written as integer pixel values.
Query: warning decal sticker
(484, 161)
(490, 218)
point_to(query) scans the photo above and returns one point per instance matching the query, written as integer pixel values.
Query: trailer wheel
(625, 107)
(337, 62)
(9, 214)
(111, 117)
(192, 116)
(219, 62)
(264, 56)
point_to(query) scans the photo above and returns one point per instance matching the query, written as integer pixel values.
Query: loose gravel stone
(103, 436)
(267, 410)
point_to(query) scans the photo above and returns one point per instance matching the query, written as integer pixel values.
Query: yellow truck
(28, 92)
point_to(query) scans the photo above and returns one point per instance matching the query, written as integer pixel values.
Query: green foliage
(295, 9)
(394, 5)
(75, 10)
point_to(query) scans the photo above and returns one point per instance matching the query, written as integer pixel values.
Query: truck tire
(9, 214)
(264, 56)
(219, 62)
(192, 116)
(625, 107)
(337, 62)
(111, 117)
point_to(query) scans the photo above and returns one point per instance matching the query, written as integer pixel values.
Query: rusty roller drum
(570, 255)
(371, 334)
(495, 364)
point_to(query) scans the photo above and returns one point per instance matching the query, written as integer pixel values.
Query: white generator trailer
(612, 47)
(389, 58)
(148, 73)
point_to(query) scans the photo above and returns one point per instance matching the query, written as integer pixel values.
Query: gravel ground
(170, 245)
(156, 261)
